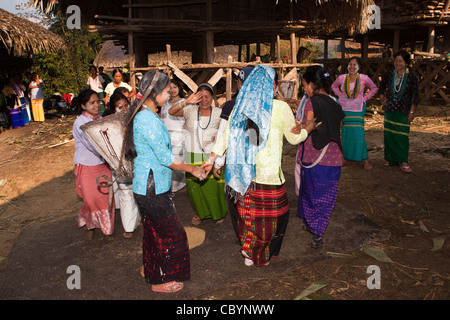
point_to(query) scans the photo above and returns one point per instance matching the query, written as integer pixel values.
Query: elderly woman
(253, 140)
(399, 94)
(349, 88)
(147, 143)
(96, 211)
(202, 122)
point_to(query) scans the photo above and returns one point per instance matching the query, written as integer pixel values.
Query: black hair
(117, 71)
(358, 61)
(319, 77)
(85, 95)
(405, 55)
(122, 90)
(116, 96)
(162, 82)
(92, 67)
(180, 88)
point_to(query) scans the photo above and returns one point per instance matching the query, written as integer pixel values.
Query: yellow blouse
(268, 159)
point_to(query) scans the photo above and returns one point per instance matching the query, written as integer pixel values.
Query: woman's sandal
(169, 287)
(405, 168)
(367, 166)
(196, 220)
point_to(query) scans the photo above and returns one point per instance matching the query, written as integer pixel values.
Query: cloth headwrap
(254, 102)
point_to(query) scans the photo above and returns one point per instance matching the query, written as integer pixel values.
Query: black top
(227, 108)
(409, 97)
(329, 112)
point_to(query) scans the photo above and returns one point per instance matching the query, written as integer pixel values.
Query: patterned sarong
(396, 137)
(95, 212)
(318, 194)
(165, 245)
(263, 218)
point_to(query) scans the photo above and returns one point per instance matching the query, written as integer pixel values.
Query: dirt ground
(412, 207)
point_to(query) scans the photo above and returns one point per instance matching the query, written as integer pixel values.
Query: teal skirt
(354, 145)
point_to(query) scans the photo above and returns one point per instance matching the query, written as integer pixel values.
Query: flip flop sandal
(196, 220)
(176, 286)
(368, 166)
(405, 168)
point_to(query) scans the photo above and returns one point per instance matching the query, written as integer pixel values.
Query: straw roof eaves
(22, 37)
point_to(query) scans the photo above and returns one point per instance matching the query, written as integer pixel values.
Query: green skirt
(207, 197)
(396, 137)
(354, 145)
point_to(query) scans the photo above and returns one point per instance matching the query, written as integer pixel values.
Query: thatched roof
(24, 38)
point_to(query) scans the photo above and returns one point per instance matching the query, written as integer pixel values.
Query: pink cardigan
(354, 105)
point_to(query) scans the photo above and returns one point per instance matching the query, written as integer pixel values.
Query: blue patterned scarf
(254, 102)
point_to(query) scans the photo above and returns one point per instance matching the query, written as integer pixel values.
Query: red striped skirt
(263, 218)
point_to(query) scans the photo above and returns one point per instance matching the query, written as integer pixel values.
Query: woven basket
(106, 135)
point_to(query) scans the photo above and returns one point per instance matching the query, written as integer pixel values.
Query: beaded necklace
(398, 90)
(198, 118)
(356, 88)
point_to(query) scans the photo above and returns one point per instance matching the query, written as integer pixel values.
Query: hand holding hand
(297, 128)
(199, 173)
(207, 167)
(216, 172)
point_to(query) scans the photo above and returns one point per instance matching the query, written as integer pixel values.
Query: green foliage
(67, 71)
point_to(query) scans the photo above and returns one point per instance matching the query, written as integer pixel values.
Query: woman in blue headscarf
(253, 139)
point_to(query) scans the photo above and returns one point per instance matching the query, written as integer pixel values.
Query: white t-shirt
(110, 88)
(96, 84)
(37, 93)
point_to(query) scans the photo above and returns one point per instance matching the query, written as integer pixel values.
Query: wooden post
(247, 58)
(431, 36)
(293, 48)
(365, 46)
(131, 52)
(209, 34)
(396, 46)
(343, 47)
(273, 44)
(229, 79)
(325, 50)
(278, 49)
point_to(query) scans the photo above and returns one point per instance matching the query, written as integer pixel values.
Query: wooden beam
(216, 77)
(165, 4)
(183, 77)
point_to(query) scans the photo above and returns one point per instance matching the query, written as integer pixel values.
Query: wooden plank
(216, 77)
(229, 80)
(183, 77)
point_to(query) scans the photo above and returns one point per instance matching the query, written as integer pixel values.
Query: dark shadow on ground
(37, 265)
